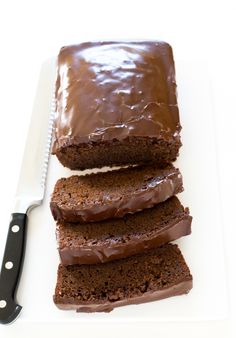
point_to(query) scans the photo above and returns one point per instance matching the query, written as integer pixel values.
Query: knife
(29, 193)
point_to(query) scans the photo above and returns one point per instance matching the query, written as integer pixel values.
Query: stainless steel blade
(32, 179)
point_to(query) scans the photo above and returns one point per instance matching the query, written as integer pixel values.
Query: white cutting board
(204, 310)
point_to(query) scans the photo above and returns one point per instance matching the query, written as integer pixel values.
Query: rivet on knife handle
(11, 268)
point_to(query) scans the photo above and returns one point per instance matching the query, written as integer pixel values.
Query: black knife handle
(11, 268)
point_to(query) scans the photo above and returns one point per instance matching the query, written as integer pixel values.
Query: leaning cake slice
(113, 194)
(104, 241)
(157, 274)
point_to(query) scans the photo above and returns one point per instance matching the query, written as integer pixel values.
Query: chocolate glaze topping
(113, 90)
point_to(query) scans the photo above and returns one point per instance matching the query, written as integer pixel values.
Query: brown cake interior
(102, 187)
(113, 194)
(132, 150)
(157, 269)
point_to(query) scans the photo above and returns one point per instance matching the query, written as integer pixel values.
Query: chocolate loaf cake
(157, 274)
(116, 104)
(109, 240)
(112, 194)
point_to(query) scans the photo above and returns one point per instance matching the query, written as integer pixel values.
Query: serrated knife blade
(30, 190)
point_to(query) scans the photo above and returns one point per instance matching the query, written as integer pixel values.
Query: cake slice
(116, 103)
(112, 194)
(109, 240)
(156, 274)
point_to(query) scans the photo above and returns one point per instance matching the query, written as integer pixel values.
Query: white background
(32, 31)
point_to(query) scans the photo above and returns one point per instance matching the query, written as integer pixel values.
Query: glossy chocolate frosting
(114, 90)
(101, 253)
(157, 190)
(177, 289)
